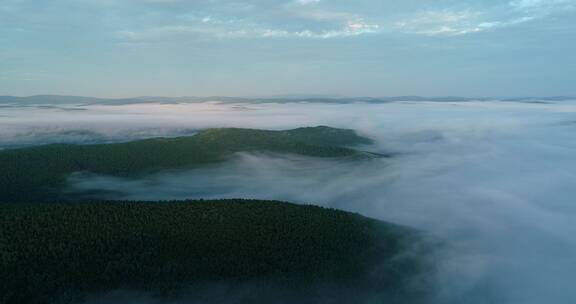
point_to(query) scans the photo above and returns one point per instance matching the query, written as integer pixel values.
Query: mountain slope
(39, 173)
(64, 251)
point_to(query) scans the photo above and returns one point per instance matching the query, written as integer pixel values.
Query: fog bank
(496, 179)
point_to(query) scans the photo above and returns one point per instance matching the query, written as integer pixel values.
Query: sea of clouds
(497, 180)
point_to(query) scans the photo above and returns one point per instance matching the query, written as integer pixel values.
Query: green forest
(57, 249)
(60, 252)
(39, 173)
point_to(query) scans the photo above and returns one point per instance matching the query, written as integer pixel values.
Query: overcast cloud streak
(123, 48)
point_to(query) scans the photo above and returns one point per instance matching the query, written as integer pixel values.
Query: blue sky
(269, 47)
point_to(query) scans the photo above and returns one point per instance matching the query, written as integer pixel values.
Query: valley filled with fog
(496, 180)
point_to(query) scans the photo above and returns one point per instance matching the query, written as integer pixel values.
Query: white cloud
(356, 28)
(306, 2)
(352, 28)
(317, 19)
(332, 25)
(443, 23)
(455, 23)
(538, 4)
(296, 19)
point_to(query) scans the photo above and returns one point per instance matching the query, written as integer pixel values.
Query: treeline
(39, 173)
(62, 251)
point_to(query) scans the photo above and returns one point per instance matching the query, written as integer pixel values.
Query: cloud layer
(294, 19)
(495, 179)
(127, 48)
(310, 19)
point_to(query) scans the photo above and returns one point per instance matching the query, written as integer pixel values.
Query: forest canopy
(64, 251)
(39, 173)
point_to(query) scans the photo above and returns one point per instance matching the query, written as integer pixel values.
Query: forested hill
(39, 173)
(275, 251)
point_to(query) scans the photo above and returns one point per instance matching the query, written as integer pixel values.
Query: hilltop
(39, 173)
(61, 252)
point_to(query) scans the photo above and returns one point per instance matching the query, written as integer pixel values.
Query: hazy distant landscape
(491, 180)
(287, 152)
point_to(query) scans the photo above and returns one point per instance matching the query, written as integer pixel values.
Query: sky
(123, 48)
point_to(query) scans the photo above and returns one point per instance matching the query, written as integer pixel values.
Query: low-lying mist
(497, 180)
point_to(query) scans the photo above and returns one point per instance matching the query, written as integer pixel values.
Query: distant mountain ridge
(65, 100)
